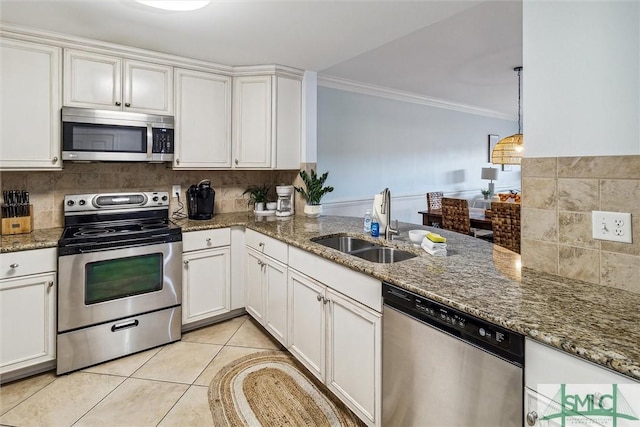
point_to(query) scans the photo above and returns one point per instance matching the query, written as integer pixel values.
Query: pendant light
(508, 151)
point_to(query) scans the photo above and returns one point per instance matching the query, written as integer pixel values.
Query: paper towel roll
(377, 209)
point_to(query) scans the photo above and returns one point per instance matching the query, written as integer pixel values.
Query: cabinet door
(276, 299)
(92, 80)
(203, 120)
(254, 280)
(27, 321)
(206, 284)
(307, 322)
(29, 106)
(148, 88)
(252, 122)
(354, 353)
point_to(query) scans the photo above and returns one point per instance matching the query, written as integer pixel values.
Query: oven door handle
(126, 325)
(88, 251)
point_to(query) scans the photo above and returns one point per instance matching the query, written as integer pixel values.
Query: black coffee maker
(200, 199)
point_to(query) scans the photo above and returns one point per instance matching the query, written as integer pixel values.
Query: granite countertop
(593, 322)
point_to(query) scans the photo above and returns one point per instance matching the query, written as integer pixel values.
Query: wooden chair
(455, 215)
(505, 221)
(434, 200)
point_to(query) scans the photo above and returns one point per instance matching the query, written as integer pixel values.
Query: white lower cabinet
(561, 389)
(340, 341)
(267, 293)
(27, 309)
(206, 278)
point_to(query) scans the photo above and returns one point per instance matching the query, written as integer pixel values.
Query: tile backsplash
(47, 189)
(558, 197)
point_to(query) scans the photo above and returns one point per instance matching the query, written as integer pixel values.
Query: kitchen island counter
(594, 322)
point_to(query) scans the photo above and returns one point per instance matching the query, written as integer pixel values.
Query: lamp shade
(508, 151)
(490, 173)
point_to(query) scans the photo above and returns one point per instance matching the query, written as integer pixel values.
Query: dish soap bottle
(367, 221)
(375, 225)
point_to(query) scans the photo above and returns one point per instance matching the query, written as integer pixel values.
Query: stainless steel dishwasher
(442, 367)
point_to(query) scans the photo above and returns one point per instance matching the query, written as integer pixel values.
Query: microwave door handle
(149, 140)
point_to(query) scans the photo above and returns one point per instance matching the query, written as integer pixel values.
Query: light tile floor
(166, 386)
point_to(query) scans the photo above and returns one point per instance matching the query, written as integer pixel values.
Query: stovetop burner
(92, 222)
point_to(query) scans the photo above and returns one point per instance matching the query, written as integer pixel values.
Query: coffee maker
(285, 200)
(200, 200)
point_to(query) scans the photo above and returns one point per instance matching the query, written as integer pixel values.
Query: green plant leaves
(314, 186)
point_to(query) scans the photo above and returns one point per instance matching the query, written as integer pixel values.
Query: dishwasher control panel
(489, 337)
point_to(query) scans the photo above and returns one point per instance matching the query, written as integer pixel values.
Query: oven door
(106, 285)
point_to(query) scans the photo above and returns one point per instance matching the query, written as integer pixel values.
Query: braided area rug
(271, 388)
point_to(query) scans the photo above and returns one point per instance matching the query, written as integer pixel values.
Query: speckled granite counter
(594, 322)
(37, 239)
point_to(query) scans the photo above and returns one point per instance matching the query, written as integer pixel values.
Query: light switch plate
(175, 189)
(612, 226)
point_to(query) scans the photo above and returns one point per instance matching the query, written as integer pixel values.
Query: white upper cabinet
(252, 122)
(267, 122)
(106, 82)
(203, 120)
(30, 98)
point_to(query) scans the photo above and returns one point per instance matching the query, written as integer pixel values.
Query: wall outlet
(175, 189)
(613, 226)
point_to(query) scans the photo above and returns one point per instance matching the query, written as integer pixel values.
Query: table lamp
(490, 174)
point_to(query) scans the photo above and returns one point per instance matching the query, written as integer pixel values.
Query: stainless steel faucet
(386, 211)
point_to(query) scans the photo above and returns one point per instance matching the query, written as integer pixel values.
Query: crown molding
(398, 95)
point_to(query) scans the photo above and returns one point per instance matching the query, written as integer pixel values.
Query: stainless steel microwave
(120, 136)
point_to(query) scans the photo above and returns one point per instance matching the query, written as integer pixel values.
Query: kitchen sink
(345, 244)
(383, 255)
(364, 249)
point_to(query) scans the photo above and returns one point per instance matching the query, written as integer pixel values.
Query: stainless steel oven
(119, 277)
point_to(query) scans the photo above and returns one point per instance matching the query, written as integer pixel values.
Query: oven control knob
(164, 198)
(81, 202)
(155, 198)
(70, 203)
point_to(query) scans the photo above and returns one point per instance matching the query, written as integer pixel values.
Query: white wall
(581, 85)
(368, 143)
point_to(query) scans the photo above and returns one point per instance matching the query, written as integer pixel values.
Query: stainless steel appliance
(200, 200)
(285, 203)
(105, 135)
(442, 367)
(119, 277)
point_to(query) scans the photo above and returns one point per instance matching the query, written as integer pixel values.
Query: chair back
(505, 221)
(455, 215)
(434, 200)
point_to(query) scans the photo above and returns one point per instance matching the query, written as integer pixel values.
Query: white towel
(435, 252)
(433, 245)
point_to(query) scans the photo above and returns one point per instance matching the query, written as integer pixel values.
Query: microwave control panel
(162, 140)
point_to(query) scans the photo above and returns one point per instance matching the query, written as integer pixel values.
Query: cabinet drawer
(16, 264)
(205, 239)
(267, 245)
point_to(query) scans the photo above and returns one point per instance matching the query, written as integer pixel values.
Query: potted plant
(257, 196)
(313, 192)
(486, 194)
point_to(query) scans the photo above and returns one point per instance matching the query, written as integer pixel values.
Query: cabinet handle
(185, 262)
(325, 300)
(260, 263)
(319, 297)
(236, 161)
(50, 283)
(261, 244)
(532, 417)
(177, 161)
(208, 240)
(54, 160)
(126, 104)
(118, 103)
(14, 265)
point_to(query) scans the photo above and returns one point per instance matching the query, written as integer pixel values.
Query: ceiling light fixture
(508, 151)
(176, 5)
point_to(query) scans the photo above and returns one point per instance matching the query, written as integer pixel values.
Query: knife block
(18, 224)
